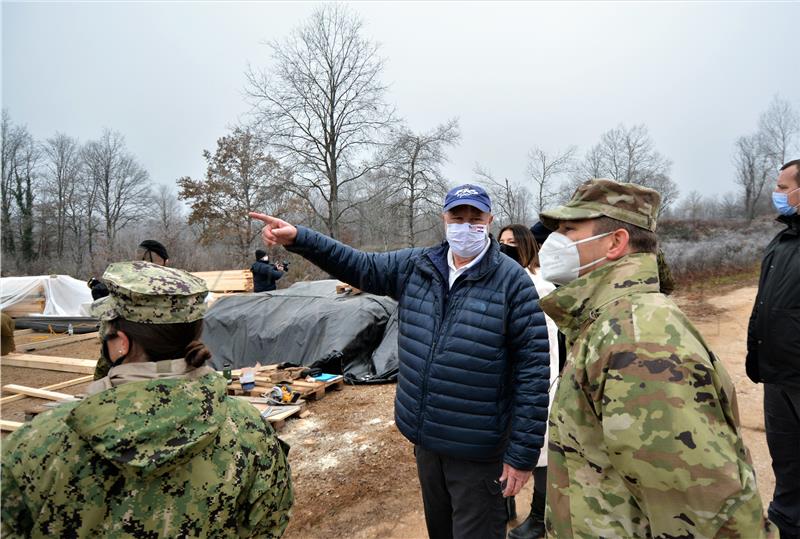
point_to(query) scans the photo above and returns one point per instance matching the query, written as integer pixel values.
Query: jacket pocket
(784, 345)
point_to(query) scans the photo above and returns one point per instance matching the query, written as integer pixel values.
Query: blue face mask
(781, 203)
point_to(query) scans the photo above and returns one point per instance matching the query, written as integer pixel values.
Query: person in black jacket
(773, 351)
(474, 363)
(265, 273)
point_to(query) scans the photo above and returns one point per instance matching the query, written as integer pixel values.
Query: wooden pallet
(307, 390)
(317, 390)
(276, 415)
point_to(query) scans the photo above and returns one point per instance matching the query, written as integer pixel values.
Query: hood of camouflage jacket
(152, 426)
(571, 306)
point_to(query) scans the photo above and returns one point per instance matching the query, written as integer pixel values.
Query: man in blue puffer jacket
(474, 362)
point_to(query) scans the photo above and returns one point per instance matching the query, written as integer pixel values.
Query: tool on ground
(283, 394)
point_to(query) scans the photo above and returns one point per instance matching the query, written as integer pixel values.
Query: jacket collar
(792, 222)
(572, 305)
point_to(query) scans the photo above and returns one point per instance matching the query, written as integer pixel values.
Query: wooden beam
(40, 393)
(64, 364)
(53, 387)
(18, 332)
(60, 341)
(10, 425)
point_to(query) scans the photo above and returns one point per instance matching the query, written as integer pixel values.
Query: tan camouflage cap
(146, 292)
(625, 202)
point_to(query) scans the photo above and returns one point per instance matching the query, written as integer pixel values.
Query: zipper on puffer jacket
(444, 322)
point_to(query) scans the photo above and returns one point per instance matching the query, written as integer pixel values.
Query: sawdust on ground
(354, 474)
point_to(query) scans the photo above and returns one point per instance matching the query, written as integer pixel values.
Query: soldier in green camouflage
(157, 449)
(644, 431)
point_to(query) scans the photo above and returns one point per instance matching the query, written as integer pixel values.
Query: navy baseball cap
(469, 194)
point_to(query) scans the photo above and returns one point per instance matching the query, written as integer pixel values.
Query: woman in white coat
(519, 243)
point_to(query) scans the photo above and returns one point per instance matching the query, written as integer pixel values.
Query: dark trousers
(462, 498)
(782, 421)
(539, 498)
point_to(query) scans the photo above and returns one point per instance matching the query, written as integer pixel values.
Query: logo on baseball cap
(469, 194)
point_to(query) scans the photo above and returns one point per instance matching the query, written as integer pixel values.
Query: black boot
(531, 528)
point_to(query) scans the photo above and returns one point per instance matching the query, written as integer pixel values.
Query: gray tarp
(306, 324)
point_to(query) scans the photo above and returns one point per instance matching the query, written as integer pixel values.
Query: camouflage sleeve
(670, 435)
(16, 519)
(266, 511)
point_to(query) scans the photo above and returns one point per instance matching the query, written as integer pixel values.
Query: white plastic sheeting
(64, 296)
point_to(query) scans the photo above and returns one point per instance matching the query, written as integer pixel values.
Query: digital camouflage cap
(626, 202)
(149, 293)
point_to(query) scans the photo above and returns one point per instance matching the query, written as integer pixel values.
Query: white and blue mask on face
(466, 240)
(560, 259)
(781, 203)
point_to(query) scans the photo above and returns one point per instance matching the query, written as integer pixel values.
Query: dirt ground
(353, 472)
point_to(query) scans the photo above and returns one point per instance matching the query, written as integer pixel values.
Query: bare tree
(753, 171)
(20, 171)
(628, 155)
(543, 168)
(415, 165)
(63, 166)
(12, 139)
(240, 178)
(729, 206)
(322, 108)
(511, 202)
(778, 127)
(692, 206)
(122, 184)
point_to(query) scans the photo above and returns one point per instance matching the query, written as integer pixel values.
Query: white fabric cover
(64, 296)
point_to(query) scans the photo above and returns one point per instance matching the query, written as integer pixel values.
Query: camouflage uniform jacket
(644, 430)
(158, 458)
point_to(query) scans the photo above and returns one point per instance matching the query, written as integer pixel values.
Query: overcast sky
(170, 76)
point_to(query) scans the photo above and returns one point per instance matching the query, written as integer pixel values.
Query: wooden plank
(9, 426)
(60, 341)
(40, 393)
(64, 364)
(53, 387)
(19, 332)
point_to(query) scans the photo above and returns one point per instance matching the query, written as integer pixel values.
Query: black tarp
(306, 324)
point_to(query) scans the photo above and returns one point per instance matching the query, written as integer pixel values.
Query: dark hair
(793, 163)
(165, 341)
(526, 245)
(641, 240)
(260, 253)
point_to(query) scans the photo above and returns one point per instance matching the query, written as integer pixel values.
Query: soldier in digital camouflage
(644, 431)
(157, 449)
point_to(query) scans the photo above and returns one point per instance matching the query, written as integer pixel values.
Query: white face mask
(560, 259)
(466, 240)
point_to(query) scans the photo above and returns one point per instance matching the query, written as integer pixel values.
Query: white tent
(62, 294)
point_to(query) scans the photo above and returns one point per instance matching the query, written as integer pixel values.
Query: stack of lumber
(32, 303)
(227, 281)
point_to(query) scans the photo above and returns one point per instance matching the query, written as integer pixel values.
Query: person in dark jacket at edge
(773, 351)
(265, 273)
(474, 364)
